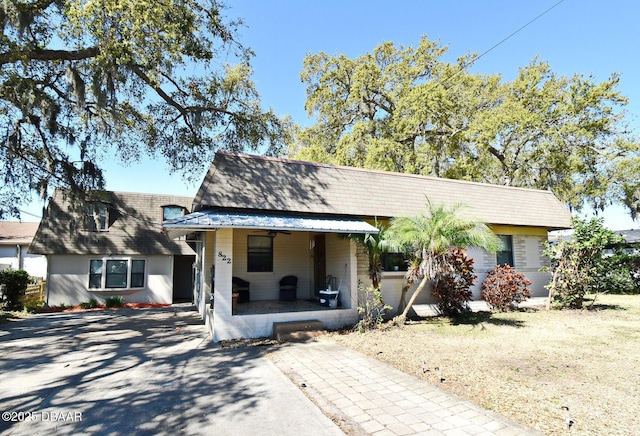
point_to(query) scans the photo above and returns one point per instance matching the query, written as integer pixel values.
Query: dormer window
(171, 212)
(96, 217)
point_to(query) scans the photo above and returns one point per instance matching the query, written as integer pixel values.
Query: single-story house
(15, 238)
(114, 247)
(256, 220)
(631, 239)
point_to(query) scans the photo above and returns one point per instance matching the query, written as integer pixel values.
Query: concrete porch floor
(276, 306)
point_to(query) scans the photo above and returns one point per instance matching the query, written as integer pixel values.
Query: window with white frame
(120, 273)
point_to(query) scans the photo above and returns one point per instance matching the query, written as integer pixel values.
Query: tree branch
(183, 110)
(14, 56)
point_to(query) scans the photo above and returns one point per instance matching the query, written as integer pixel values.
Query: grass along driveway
(527, 365)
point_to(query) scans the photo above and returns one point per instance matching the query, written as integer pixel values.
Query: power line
(22, 211)
(464, 67)
(520, 29)
(29, 213)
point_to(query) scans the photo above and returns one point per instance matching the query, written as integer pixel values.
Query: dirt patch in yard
(528, 365)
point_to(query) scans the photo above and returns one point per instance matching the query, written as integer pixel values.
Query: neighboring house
(256, 220)
(631, 238)
(115, 247)
(15, 238)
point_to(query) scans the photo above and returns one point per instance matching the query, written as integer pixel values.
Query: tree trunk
(403, 317)
(403, 299)
(551, 292)
(552, 286)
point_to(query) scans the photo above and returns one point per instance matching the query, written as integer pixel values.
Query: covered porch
(264, 307)
(243, 258)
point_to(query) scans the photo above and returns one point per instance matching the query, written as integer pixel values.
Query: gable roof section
(239, 181)
(135, 227)
(14, 232)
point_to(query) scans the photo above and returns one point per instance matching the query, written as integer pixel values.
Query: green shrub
(503, 287)
(453, 290)
(372, 309)
(114, 301)
(30, 306)
(618, 274)
(15, 284)
(574, 263)
(91, 304)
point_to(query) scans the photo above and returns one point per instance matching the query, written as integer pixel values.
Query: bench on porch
(288, 288)
(241, 287)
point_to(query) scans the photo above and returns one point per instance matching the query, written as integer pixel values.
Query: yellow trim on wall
(518, 230)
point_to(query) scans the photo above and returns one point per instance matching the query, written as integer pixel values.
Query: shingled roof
(14, 232)
(240, 181)
(631, 236)
(135, 227)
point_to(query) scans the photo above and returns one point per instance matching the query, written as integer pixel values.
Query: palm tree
(410, 277)
(375, 245)
(431, 235)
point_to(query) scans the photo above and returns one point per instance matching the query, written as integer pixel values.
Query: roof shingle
(14, 232)
(135, 227)
(281, 185)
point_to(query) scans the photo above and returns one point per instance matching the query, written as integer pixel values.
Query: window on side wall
(394, 262)
(505, 254)
(116, 273)
(259, 254)
(137, 273)
(95, 274)
(96, 217)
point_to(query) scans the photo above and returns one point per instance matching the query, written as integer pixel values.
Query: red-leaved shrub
(453, 289)
(504, 287)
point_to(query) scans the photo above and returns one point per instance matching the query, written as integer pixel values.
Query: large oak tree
(82, 81)
(406, 109)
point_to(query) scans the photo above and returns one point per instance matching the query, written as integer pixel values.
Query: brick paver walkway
(366, 396)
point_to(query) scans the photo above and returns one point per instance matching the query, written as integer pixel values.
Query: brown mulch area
(101, 307)
(16, 315)
(528, 365)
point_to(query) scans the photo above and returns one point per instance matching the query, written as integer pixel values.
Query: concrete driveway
(146, 371)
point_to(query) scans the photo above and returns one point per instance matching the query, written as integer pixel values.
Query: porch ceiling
(212, 220)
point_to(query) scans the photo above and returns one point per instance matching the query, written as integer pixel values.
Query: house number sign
(224, 257)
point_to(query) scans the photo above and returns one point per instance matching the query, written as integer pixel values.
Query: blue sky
(593, 38)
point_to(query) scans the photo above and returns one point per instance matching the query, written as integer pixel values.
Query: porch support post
(223, 261)
(353, 275)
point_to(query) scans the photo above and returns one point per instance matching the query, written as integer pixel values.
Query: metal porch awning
(212, 220)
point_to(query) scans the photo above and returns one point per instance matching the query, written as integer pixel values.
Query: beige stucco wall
(34, 264)
(68, 281)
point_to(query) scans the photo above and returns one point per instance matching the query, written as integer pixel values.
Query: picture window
(116, 273)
